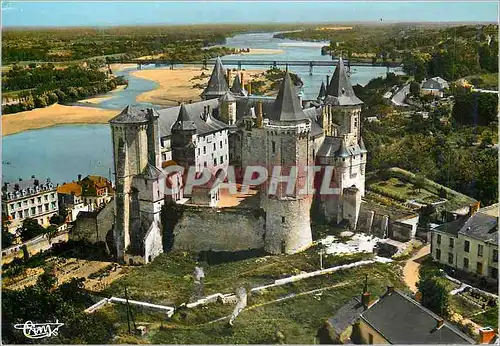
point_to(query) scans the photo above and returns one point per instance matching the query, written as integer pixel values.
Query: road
(410, 271)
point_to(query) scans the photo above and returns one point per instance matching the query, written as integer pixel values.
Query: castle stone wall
(94, 226)
(401, 231)
(204, 228)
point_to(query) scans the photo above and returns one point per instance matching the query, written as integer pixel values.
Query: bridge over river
(256, 62)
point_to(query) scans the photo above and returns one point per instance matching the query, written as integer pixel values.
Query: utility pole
(128, 318)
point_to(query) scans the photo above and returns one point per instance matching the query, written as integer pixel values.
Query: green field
(298, 318)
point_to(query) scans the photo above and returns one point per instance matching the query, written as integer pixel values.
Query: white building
(469, 243)
(31, 198)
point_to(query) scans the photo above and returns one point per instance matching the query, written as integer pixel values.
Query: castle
(231, 127)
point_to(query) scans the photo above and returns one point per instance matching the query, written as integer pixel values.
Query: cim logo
(39, 330)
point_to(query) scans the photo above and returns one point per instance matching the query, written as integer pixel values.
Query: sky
(114, 13)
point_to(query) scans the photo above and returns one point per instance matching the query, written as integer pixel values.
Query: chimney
(79, 177)
(36, 182)
(5, 185)
(242, 81)
(204, 115)
(365, 299)
(208, 110)
(249, 88)
(327, 80)
(473, 208)
(260, 116)
(486, 335)
(33, 176)
(440, 324)
(16, 187)
(20, 179)
(228, 76)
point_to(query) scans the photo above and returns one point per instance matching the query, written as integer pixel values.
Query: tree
(50, 232)
(415, 89)
(30, 229)
(434, 295)
(58, 219)
(7, 238)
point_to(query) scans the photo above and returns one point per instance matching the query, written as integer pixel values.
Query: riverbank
(55, 114)
(179, 85)
(99, 99)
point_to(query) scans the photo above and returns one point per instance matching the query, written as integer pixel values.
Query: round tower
(287, 205)
(130, 156)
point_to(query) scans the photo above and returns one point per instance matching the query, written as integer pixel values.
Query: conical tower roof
(362, 145)
(184, 121)
(130, 115)
(342, 152)
(217, 84)
(340, 90)
(322, 90)
(287, 105)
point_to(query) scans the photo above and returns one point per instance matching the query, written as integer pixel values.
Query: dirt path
(410, 271)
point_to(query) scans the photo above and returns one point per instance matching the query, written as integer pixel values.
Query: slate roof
(346, 315)
(217, 84)
(228, 97)
(287, 105)
(70, 189)
(184, 121)
(131, 115)
(322, 90)
(452, 227)
(362, 145)
(435, 83)
(336, 147)
(339, 91)
(313, 114)
(151, 172)
(481, 226)
(237, 88)
(401, 320)
(168, 117)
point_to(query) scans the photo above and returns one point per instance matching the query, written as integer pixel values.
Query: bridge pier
(311, 68)
(204, 64)
(139, 66)
(239, 65)
(275, 65)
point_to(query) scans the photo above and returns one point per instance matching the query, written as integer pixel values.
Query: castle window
(205, 164)
(221, 144)
(274, 146)
(282, 219)
(215, 161)
(215, 147)
(222, 159)
(204, 149)
(199, 151)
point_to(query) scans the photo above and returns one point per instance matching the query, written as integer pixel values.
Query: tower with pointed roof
(342, 148)
(227, 108)
(136, 145)
(217, 84)
(183, 132)
(287, 206)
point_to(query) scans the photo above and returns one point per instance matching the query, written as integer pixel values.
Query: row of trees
(41, 86)
(44, 302)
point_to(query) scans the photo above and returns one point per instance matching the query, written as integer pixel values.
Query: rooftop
(402, 320)
(70, 189)
(483, 225)
(339, 92)
(217, 84)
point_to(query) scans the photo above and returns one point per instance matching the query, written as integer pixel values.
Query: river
(63, 152)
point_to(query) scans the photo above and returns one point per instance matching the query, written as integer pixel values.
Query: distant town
(233, 184)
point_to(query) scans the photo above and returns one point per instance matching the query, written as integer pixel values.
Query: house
(70, 198)
(434, 86)
(469, 244)
(394, 318)
(96, 190)
(31, 198)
